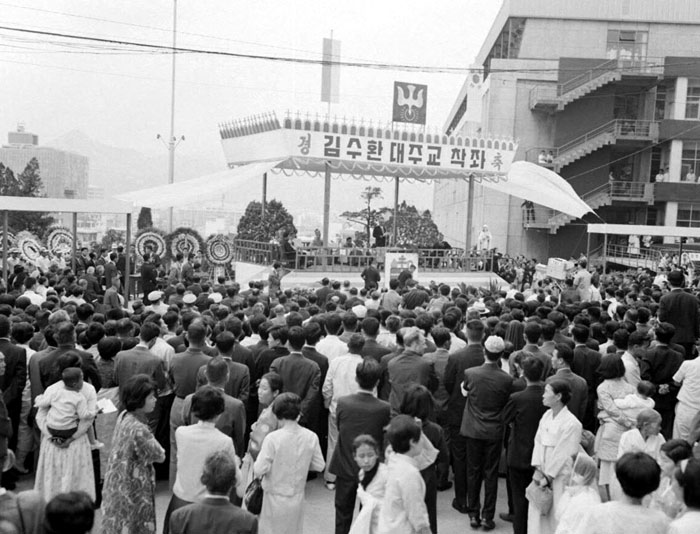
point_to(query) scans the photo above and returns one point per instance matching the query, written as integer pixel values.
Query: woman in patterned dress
(128, 505)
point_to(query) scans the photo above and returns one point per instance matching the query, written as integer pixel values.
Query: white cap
(155, 295)
(494, 345)
(189, 298)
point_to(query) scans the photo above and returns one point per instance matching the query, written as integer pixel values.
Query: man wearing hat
(488, 389)
(681, 310)
(188, 300)
(157, 305)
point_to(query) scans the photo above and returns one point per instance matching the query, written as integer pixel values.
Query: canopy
(63, 205)
(640, 229)
(538, 184)
(196, 190)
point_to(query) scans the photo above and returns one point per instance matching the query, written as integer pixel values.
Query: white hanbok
(367, 521)
(556, 443)
(286, 457)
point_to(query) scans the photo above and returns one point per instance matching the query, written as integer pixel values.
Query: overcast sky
(122, 98)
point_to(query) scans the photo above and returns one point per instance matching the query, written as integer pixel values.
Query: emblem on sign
(410, 102)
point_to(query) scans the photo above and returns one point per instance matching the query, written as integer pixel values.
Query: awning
(640, 229)
(542, 186)
(198, 189)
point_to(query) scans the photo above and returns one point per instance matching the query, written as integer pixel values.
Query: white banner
(395, 262)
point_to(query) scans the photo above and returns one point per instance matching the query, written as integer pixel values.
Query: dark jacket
(489, 388)
(372, 349)
(523, 411)
(15, 377)
(459, 361)
(213, 516)
(681, 310)
(139, 360)
(406, 369)
(579, 391)
(301, 376)
(48, 370)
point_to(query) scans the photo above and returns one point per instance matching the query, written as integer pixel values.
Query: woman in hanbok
(66, 466)
(286, 457)
(581, 493)
(556, 443)
(666, 498)
(613, 421)
(269, 388)
(129, 502)
(370, 491)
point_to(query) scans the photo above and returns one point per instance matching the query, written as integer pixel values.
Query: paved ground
(319, 514)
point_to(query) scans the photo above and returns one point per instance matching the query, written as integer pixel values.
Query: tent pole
(394, 230)
(588, 248)
(4, 249)
(470, 217)
(327, 206)
(127, 258)
(605, 252)
(264, 196)
(73, 260)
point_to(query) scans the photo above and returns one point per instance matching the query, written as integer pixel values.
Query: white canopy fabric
(196, 190)
(542, 186)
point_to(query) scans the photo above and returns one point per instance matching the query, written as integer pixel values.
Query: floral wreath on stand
(150, 240)
(60, 239)
(184, 241)
(29, 246)
(219, 251)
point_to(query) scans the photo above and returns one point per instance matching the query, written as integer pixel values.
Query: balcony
(545, 99)
(609, 133)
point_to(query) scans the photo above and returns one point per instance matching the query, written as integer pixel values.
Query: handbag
(254, 496)
(541, 498)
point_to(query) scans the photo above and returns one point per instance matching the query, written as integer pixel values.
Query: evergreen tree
(367, 216)
(27, 184)
(414, 229)
(145, 219)
(253, 227)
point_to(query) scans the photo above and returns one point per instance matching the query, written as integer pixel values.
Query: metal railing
(625, 67)
(637, 256)
(618, 128)
(256, 252)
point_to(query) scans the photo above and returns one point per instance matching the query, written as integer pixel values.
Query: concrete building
(607, 94)
(64, 174)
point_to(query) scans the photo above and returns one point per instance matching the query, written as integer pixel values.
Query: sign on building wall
(410, 102)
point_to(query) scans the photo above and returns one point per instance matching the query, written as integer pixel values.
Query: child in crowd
(68, 408)
(372, 485)
(631, 405)
(404, 510)
(581, 493)
(644, 438)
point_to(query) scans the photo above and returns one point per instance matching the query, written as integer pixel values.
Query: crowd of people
(239, 396)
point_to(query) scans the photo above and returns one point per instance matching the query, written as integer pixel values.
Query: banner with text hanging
(410, 102)
(330, 72)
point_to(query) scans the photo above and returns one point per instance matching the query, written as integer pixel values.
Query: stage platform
(246, 272)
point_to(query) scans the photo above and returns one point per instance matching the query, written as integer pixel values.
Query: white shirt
(456, 343)
(165, 352)
(633, 375)
(340, 379)
(616, 517)
(688, 375)
(34, 297)
(633, 441)
(686, 524)
(632, 404)
(66, 407)
(403, 510)
(331, 347)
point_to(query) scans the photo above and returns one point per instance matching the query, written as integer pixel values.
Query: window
(688, 215)
(507, 44)
(692, 103)
(690, 159)
(627, 46)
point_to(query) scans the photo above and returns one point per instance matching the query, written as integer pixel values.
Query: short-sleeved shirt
(688, 375)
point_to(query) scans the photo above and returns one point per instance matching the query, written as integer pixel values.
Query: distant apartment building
(64, 174)
(605, 93)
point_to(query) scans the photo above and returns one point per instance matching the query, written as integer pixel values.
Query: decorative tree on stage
(145, 219)
(113, 236)
(367, 216)
(253, 227)
(414, 229)
(27, 184)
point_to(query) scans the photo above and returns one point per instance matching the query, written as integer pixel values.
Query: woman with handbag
(556, 443)
(286, 457)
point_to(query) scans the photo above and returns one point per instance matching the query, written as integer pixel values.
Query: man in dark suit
(15, 376)
(372, 349)
(523, 413)
(215, 514)
(93, 290)
(560, 322)
(488, 389)
(299, 374)
(111, 269)
(318, 418)
(64, 334)
(238, 384)
(681, 310)
(149, 277)
(470, 356)
(562, 359)
(585, 364)
(659, 364)
(140, 360)
(532, 333)
(359, 413)
(410, 368)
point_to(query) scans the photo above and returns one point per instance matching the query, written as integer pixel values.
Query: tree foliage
(113, 236)
(252, 226)
(26, 184)
(145, 219)
(414, 228)
(367, 216)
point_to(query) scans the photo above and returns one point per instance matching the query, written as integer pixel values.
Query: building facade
(605, 93)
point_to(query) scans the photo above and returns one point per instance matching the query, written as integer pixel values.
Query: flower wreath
(150, 240)
(219, 250)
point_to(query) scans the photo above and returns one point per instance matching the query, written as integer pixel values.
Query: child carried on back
(68, 407)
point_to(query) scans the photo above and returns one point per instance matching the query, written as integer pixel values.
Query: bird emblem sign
(410, 102)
